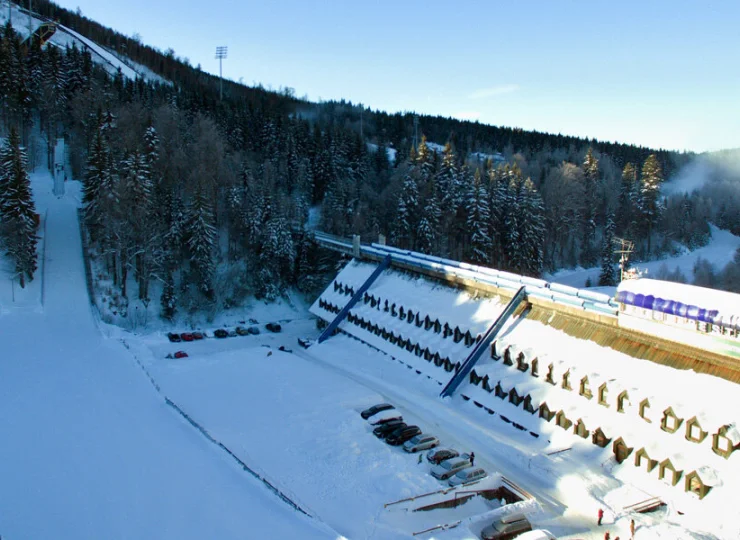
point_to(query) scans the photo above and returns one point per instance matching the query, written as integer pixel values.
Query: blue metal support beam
(385, 263)
(483, 344)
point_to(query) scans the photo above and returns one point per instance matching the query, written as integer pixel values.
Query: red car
(181, 354)
(187, 336)
(197, 335)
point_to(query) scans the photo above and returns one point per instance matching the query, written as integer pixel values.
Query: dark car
(438, 455)
(383, 430)
(220, 333)
(242, 331)
(253, 330)
(198, 335)
(174, 338)
(367, 413)
(305, 342)
(187, 336)
(401, 435)
(273, 327)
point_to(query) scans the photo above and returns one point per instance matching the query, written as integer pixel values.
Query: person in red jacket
(601, 515)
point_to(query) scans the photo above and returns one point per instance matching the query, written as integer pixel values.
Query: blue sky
(657, 73)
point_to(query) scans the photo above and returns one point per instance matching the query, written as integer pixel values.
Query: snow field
(300, 422)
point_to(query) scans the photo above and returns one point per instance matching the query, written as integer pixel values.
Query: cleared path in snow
(89, 449)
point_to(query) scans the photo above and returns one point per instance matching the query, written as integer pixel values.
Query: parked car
(232, 333)
(438, 455)
(198, 335)
(367, 413)
(273, 327)
(450, 467)
(468, 475)
(174, 338)
(253, 330)
(187, 336)
(385, 416)
(401, 435)
(383, 430)
(284, 349)
(178, 354)
(507, 527)
(305, 342)
(242, 331)
(420, 442)
(220, 333)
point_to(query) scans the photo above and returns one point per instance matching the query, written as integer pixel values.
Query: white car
(420, 442)
(385, 416)
(450, 467)
(468, 475)
(539, 534)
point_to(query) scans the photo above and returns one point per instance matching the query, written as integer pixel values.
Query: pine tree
(650, 182)
(17, 209)
(590, 178)
(513, 217)
(608, 275)
(406, 214)
(532, 233)
(628, 200)
(201, 241)
(429, 225)
(479, 218)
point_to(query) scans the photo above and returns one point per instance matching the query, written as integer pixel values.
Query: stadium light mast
(624, 249)
(221, 53)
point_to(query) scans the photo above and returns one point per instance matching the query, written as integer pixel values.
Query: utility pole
(361, 108)
(221, 53)
(625, 248)
(30, 26)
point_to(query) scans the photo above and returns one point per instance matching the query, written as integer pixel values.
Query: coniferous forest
(196, 202)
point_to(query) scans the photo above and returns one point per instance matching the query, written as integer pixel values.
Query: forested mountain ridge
(198, 202)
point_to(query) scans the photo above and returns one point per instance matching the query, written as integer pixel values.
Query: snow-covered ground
(89, 448)
(720, 251)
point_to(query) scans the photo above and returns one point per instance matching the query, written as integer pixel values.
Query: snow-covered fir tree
(201, 241)
(590, 206)
(407, 213)
(479, 218)
(608, 275)
(17, 210)
(532, 234)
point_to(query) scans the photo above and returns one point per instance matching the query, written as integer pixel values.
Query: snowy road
(89, 449)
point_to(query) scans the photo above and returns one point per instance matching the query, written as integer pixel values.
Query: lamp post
(221, 53)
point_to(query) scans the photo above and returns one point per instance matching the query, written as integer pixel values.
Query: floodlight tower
(624, 250)
(221, 53)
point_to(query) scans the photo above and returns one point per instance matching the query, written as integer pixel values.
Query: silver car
(506, 527)
(421, 442)
(450, 467)
(467, 476)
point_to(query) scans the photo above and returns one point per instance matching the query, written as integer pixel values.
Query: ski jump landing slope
(89, 448)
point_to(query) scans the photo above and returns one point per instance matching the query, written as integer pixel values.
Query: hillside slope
(90, 449)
